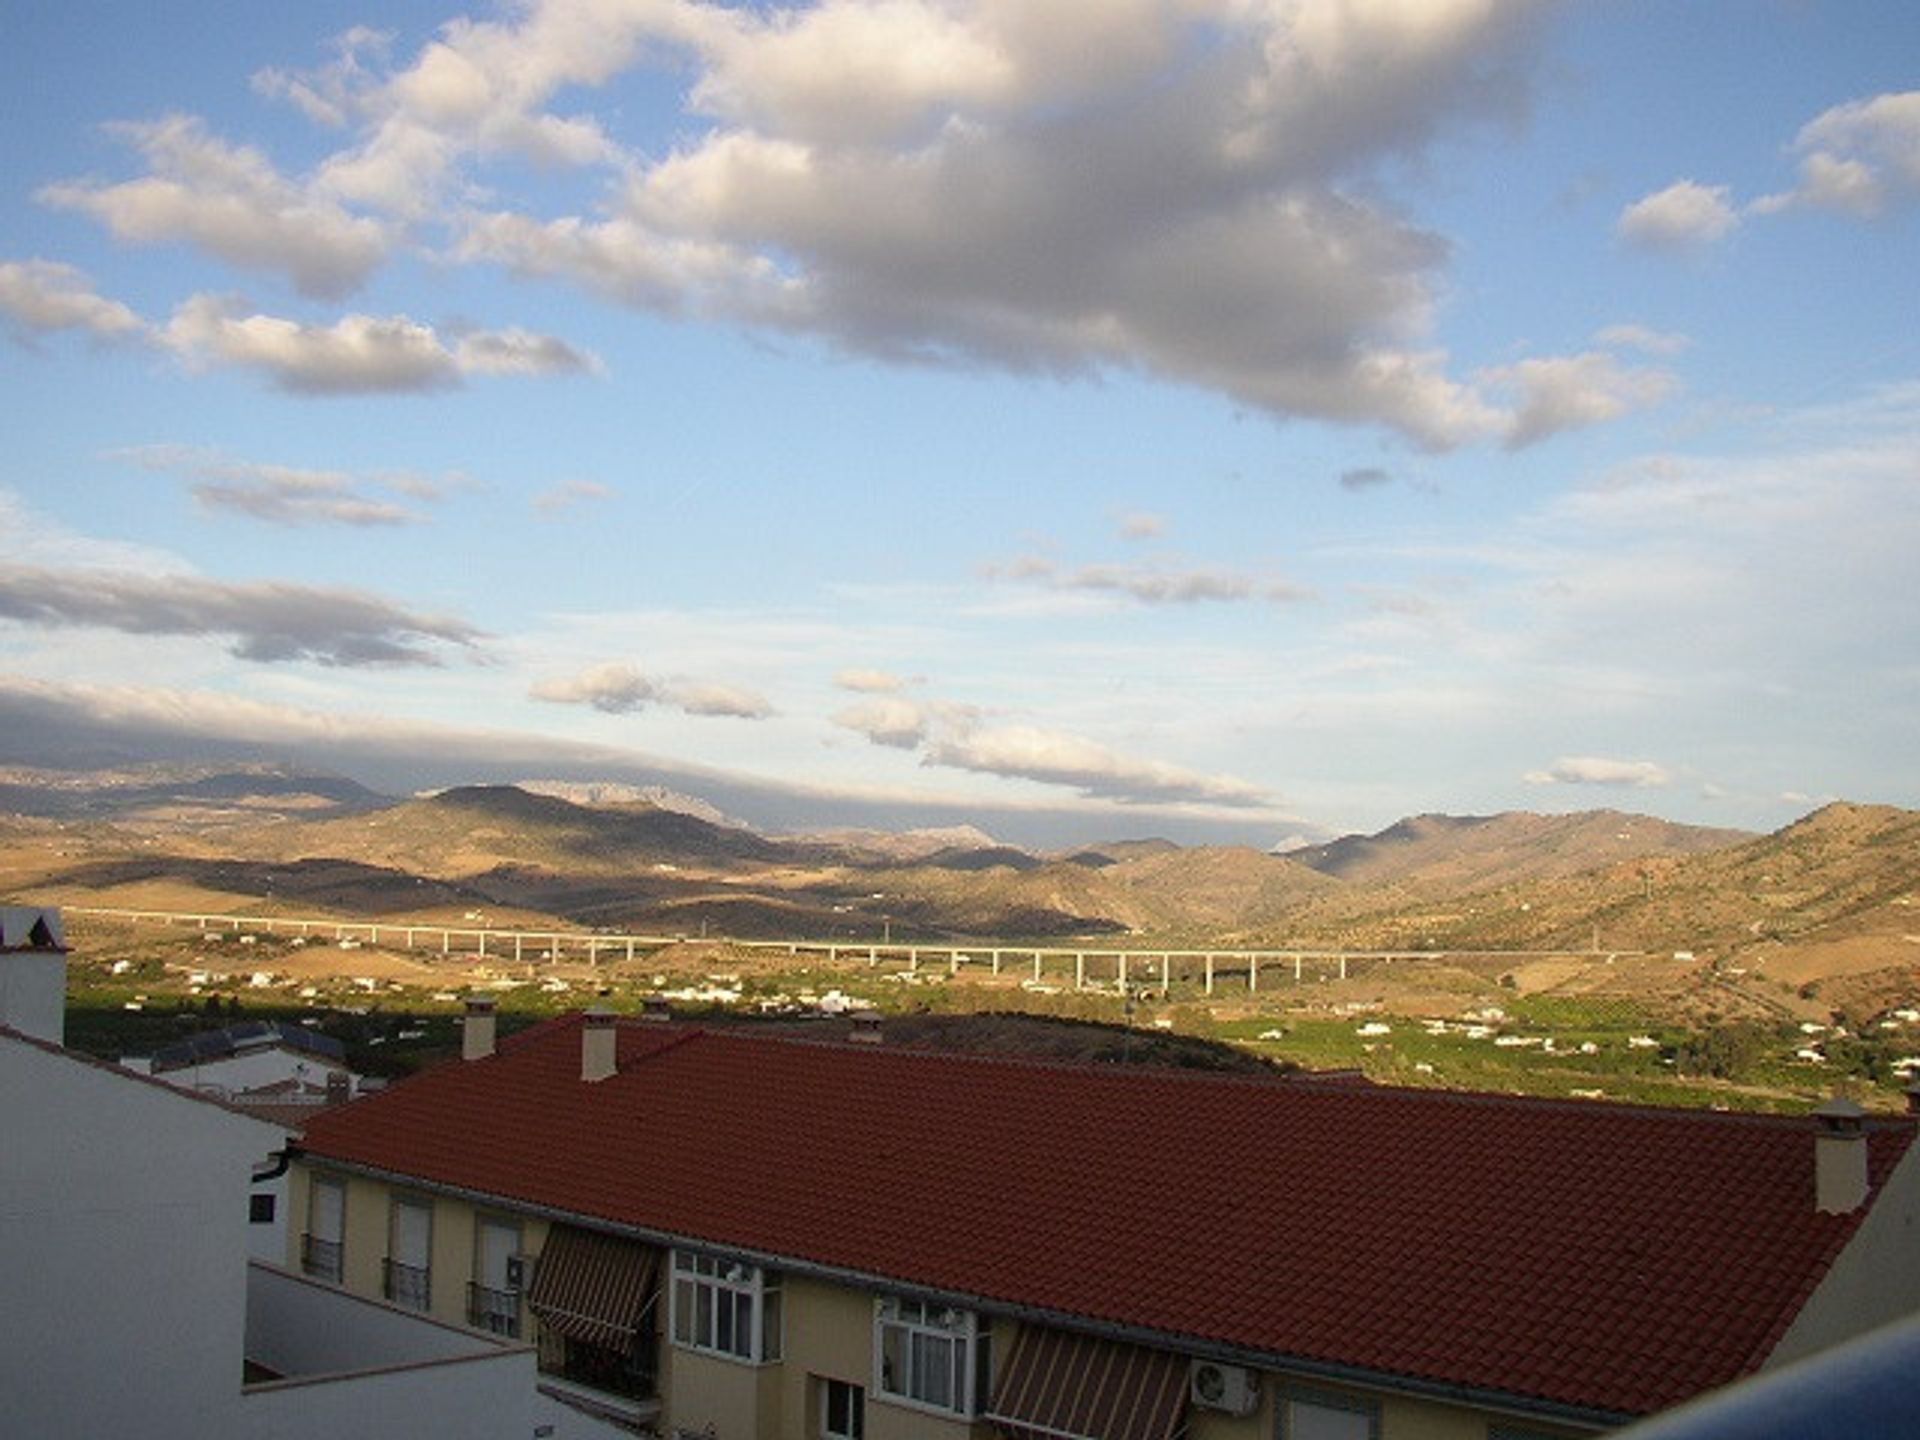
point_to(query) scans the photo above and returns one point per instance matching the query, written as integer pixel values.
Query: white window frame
(856, 1409)
(726, 1285)
(933, 1324)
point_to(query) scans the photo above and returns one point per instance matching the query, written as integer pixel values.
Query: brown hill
(1461, 852)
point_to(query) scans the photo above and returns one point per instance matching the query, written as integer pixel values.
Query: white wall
(33, 993)
(123, 1251)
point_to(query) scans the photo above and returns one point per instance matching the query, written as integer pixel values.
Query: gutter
(1300, 1367)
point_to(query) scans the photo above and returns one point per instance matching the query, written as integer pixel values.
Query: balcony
(631, 1374)
(495, 1311)
(406, 1285)
(319, 1360)
(320, 1258)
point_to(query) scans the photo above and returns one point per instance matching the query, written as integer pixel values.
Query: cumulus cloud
(265, 621)
(890, 721)
(569, 493)
(230, 202)
(1597, 770)
(870, 682)
(1858, 159)
(357, 354)
(617, 688)
(1151, 585)
(278, 494)
(43, 295)
(1570, 392)
(1685, 216)
(1173, 189)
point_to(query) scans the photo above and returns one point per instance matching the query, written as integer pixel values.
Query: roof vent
(597, 1046)
(1839, 1157)
(477, 1030)
(866, 1027)
(655, 1008)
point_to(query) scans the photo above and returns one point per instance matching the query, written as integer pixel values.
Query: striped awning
(1059, 1386)
(592, 1287)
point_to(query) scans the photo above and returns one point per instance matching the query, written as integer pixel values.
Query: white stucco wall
(1877, 1277)
(123, 1251)
(33, 993)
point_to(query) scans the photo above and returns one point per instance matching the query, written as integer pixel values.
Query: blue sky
(1217, 419)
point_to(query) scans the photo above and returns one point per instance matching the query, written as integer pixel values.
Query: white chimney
(866, 1027)
(33, 973)
(477, 1030)
(597, 1046)
(1839, 1157)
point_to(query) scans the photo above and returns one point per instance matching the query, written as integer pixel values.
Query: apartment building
(737, 1235)
(130, 1306)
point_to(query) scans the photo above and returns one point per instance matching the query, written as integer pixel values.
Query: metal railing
(320, 1258)
(631, 1373)
(493, 1310)
(407, 1285)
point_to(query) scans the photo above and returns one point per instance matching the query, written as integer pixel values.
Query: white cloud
(1684, 216)
(613, 687)
(1150, 585)
(267, 621)
(870, 682)
(1142, 525)
(1569, 392)
(1596, 770)
(278, 494)
(1643, 338)
(617, 688)
(1054, 757)
(1858, 158)
(229, 201)
(569, 493)
(44, 295)
(892, 721)
(357, 354)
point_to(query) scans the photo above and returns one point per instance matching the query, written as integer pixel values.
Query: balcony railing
(407, 1285)
(320, 1258)
(493, 1310)
(630, 1373)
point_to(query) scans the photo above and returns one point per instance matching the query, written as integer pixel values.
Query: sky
(1236, 420)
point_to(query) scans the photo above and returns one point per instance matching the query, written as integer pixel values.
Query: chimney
(1839, 1157)
(866, 1027)
(597, 1045)
(1913, 1097)
(33, 973)
(656, 1010)
(477, 1030)
(339, 1087)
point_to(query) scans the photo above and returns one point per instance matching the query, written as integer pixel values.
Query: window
(930, 1355)
(1318, 1416)
(493, 1299)
(843, 1410)
(726, 1307)
(409, 1252)
(320, 1247)
(260, 1209)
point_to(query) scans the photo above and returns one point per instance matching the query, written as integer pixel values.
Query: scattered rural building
(736, 1235)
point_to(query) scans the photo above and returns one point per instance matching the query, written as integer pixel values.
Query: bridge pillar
(1209, 974)
(1079, 970)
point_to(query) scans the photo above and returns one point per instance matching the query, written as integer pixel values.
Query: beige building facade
(825, 1374)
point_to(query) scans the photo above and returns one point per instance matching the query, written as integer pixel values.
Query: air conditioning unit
(517, 1272)
(1232, 1388)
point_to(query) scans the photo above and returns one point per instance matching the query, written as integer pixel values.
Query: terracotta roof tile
(1608, 1257)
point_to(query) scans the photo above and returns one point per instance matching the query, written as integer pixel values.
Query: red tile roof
(1605, 1257)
